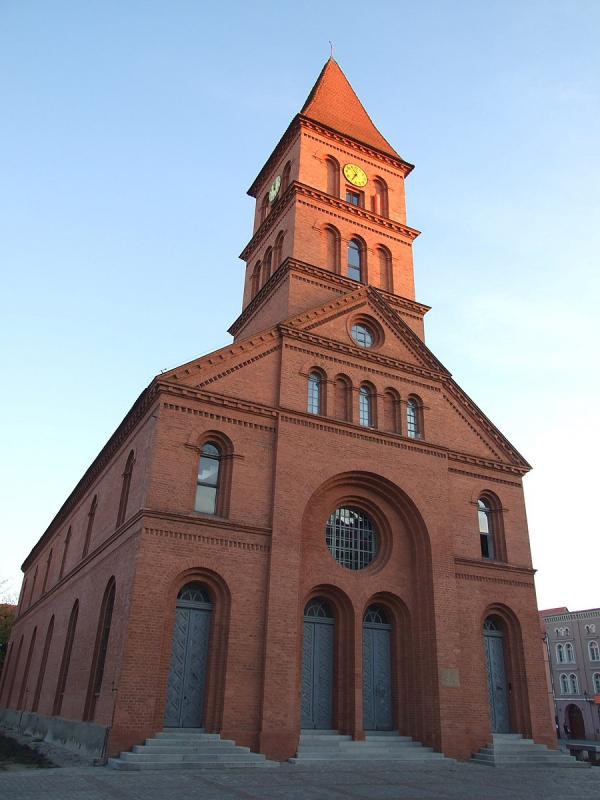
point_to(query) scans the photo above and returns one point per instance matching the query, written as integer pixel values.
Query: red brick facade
(283, 471)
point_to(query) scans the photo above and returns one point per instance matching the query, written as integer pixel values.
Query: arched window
(569, 653)
(574, 683)
(332, 237)
(100, 648)
(486, 530)
(285, 177)
(278, 250)
(380, 198)
(266, 268)
(596, 682)
(414, 418)
(255, 280)
(63, 560)
(5, 669)
(366, 397)
(315, 393)
(342, 398)
(590, 628)
(391, 411)
(376, 615)
(14, 672)
(594, 651)
(65, 661)
(26, 670)
(43, 662)
(384, 258)
(564, 684)
(264, 208)
(207, 489)
(333, 176)
(125, 485)
(560, 654)
(31, 594)
(47, 572)
(355, 260)
(90, 525)
(566, 632)
(351, 537)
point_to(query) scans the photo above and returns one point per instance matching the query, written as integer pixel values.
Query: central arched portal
(377, 670)
(189, 658)
(317, 666)
(496, 674)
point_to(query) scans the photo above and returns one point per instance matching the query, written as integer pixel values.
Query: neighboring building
(7, 616)
(313, 527)
(573, 642)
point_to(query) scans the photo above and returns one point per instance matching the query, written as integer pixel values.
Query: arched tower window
(486, 528)
(332, 237)
(414, 418)
(66, 660)
(278, 250)
(594, 651)
(266, 269)
(255, 280)
(384, 258)
(333, 176)
(380, 198)
(90, 526)
(391, 411)
(264, 208)
(355, 260)
(126, 484)
(285, 177)
(207, 489)
(315, 393)
(366, 402)
(43, 662)
(100, 649)
(342, 398)
(63, 560)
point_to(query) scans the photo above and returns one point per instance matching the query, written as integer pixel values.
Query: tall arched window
(43, 662)
(486, 528)
(574, 683)
(278, 250)
(32, 592)
(285, 177)
(385, 269)
(100, 648)
(14, 672)
(332, 237)
(342, 398)
(264, 208)
(315, 393)
(569, 653)
(366, 397)
(207, 489)
(594, 651)
(125, 488)
(355, 260)
(26, 670)
(90, 526)
(63, 560)
(596, 682)
(333, 176)
(266, 269)
(47, 572)
(255, 280)
(560, 654)
(380, 198)
(391, 411)
(564, 684)
(65, 662)
(414, 418)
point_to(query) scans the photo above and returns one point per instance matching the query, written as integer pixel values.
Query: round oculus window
(363, 335)
(351, 538)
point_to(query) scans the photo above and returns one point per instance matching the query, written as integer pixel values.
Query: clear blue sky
(129, 134)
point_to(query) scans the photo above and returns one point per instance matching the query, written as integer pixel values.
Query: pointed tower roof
(334, 103)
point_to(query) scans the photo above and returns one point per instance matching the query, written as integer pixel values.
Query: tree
(8, 610)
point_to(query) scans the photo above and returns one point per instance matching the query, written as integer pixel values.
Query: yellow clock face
(356, 175)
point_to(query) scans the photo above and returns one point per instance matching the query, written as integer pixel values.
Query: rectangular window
(355, 198)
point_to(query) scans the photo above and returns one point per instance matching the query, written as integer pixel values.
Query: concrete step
(117, 763)
(184, 733)
(378, 746)
(145, 758)
(510, 750)
(191, 742)
(190, 749)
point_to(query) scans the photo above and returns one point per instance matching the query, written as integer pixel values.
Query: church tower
(312, 528)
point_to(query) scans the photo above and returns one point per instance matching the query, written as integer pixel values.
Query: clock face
(356, 175)
(274, 190)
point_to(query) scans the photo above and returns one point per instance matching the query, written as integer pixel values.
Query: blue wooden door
(317, 667)
(377, 677)
(189, 657)
(496, 675)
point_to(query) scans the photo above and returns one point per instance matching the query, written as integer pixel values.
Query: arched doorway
(377, 670)
(317, 665)
(575, 722)
(496, 675)
(189, 657)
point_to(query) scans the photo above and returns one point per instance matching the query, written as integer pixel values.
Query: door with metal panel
(496, 675)
(317, 666)
(377, 671)
(189, 658)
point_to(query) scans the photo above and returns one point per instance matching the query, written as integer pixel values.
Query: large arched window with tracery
(351, 537)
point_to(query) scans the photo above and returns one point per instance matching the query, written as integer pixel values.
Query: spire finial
(330, 49)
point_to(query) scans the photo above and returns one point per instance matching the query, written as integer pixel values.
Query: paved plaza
(354, 781)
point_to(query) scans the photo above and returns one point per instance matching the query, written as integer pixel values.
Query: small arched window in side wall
(342, 398)
(209, 469)
(380, 198)
(264, 208)
(278, 251)
(355, 268)
(315, 393)
(125, 486)
(255, 279)
(391, 411)
(100, 649)
(333, 176)
(385, 269)
(65, 552)
(366, 403)
(266, 270)
(90, 526)
(332, 243)
(414, 418)
(285, 177)
(486, 528)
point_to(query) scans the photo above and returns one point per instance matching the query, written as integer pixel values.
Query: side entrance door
(496, 675)
(189, 657)
(377, 671)
(317, 666)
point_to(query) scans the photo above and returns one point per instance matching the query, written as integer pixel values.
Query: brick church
(313, 527)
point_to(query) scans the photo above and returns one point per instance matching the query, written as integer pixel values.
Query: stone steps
(329, 746)
(190, 748)
(511, 750)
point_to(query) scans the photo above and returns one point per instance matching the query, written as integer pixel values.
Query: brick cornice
(494, 566)
(221, 524)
